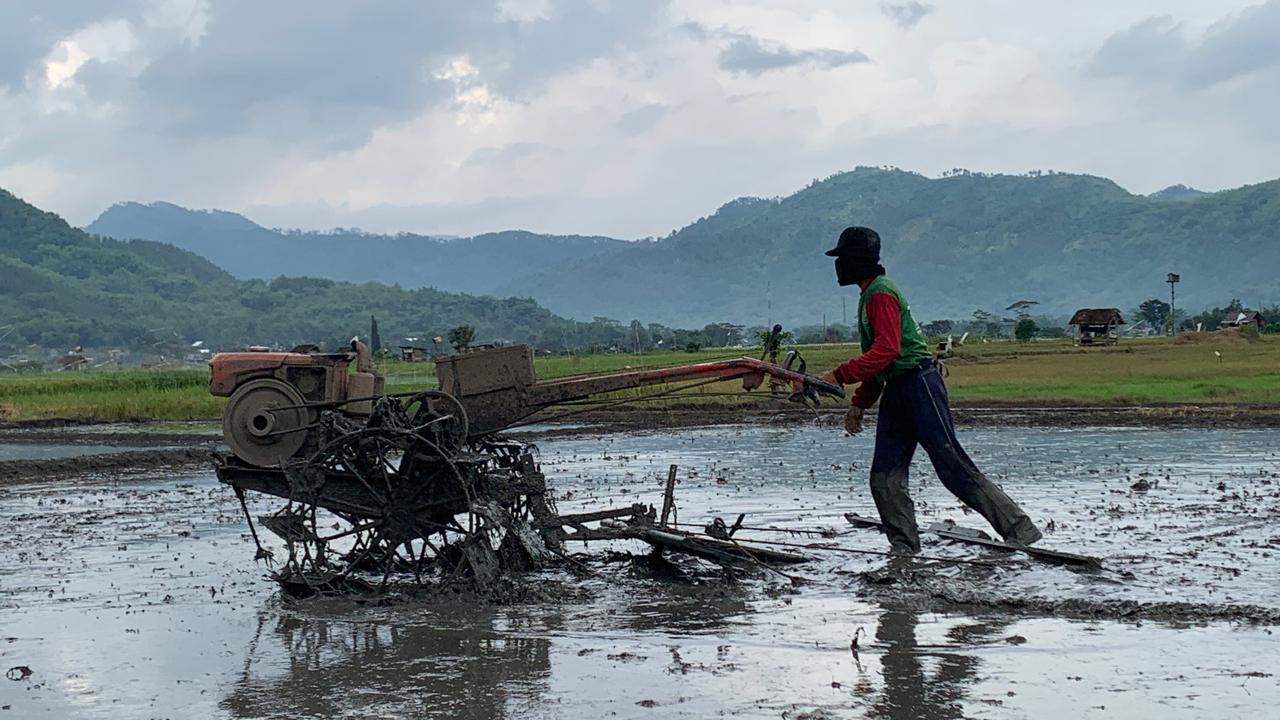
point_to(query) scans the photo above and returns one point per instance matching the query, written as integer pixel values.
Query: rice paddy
(1217, 368)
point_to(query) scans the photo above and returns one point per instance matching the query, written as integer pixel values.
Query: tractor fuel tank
(485, 370)
(490, 382)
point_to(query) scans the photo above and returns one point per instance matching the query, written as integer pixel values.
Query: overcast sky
(620, 117)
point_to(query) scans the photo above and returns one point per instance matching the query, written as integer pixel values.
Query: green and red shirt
(892, 343)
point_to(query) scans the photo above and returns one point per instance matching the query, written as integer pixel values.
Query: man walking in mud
(897, 368)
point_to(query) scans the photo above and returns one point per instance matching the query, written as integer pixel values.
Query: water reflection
(686, 610)
(922, 680)
(424, 664)
(317, 660)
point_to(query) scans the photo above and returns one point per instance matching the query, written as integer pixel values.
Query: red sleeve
(885, 318)
(867, 394)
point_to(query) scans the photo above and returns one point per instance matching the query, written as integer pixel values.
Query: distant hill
(480, 264)
(62, 287)
(1178, 192)
(955, 244)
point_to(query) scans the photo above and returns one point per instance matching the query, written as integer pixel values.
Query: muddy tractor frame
(423, 486)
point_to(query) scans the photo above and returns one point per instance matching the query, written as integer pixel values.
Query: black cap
(858, 241)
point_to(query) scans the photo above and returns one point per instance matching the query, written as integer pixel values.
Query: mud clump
(1226, 336)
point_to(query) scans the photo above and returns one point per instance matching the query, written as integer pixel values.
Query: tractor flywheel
(263, 423)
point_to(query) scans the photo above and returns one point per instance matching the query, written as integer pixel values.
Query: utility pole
(1173, 280)
(844, 312)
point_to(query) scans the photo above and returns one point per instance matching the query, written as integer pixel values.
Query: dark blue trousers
(914, 411)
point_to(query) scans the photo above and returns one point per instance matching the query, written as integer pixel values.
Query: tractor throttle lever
(808, 392)
(792, 357)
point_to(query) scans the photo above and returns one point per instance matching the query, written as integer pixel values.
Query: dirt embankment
(925, 595)
(1164, 416)
(1173, 416)
(137, 432)
(129, 462)
(173, 450)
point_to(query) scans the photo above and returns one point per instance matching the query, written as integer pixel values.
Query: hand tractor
(422, 487)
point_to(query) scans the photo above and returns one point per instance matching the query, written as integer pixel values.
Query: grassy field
(1136, 372)
(109, 395)
(1133, 372)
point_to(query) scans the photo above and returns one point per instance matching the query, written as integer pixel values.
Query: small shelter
(411, 353)
(1097, 325)
(73, 361)
(1243, 318)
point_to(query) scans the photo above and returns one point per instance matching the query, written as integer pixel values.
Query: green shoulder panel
(915, 349)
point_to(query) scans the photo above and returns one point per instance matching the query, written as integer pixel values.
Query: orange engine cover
(318, 377)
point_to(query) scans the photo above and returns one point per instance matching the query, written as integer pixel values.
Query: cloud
(1162, 50)
(524, 10)
(906, 14)
(753, 56)
(144, 87)
(621, 117)
(505, 154)
(1154, 47)
(27, 37)
(309, 72)
(634, 122)
(526, 55)
(303, 72)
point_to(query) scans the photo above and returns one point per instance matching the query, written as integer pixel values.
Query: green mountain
(480, 264)
(954, 244)
(62, 287)
(1178, 192)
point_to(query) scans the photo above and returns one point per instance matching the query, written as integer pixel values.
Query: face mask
(851, 270)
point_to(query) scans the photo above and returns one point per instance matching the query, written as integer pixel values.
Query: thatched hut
(412, 353)
(1244, 318)
(1096, 326)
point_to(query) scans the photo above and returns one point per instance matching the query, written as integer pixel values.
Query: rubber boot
(897, 511)
(1001, 511)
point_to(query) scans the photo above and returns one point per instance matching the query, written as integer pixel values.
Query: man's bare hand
(853, 420)
(829, 377)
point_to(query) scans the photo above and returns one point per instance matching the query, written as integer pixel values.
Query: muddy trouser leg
(937, 435)
(895, 444)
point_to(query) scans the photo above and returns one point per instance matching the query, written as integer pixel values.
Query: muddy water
(139, 599)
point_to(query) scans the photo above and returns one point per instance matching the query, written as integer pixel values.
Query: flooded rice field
(139, 598)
